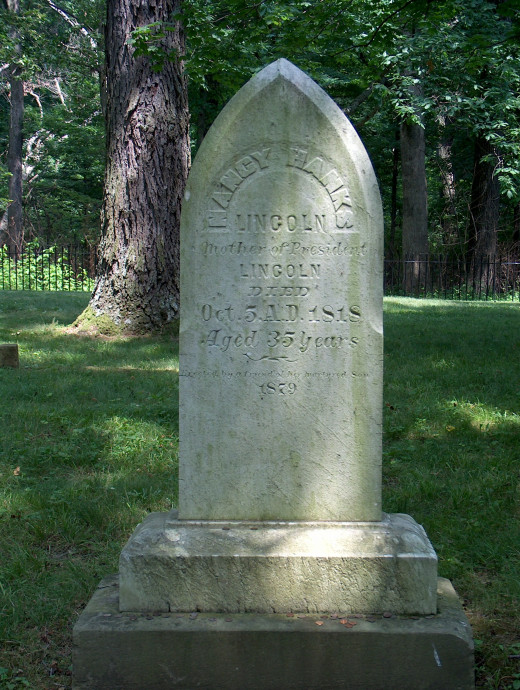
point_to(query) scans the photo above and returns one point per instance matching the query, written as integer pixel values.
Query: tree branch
(71, 19)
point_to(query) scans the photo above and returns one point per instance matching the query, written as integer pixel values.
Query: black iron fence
(73, 267)
(488, 278)
(70, 267)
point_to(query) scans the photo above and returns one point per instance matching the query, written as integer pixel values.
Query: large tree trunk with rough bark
(484, 213)
(12, 227)
(148, 157)
(415, 205)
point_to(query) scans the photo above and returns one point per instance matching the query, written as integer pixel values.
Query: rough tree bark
(12, 230)
(148, 156)
(415, 204)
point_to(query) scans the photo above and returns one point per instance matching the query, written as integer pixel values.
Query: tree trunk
(415, 205)
(148, 157)
(13, 231)
(449, 213)
(208, 107)
(393, 204)
(516, 226)
(484, 214)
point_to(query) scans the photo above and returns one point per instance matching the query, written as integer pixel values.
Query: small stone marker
(9, 356)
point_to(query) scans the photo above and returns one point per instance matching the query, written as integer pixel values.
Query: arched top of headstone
(281, 312)
(282, 104)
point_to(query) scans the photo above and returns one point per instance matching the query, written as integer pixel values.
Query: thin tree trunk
(415, 205)
(13, 232)
(516, 224)
(208, 107)
(393, 207)
(449, 213)
(148, 156)
(484, 214)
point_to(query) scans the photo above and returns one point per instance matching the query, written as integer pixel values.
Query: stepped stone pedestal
(140, 651)
(279, 570)
(231, 567)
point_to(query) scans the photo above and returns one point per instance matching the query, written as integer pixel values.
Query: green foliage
(451, 66)
(148, 41)
(63, 125)
(43, 269)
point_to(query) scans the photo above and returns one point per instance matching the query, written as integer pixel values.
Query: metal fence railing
(488, 278)
(71, 267)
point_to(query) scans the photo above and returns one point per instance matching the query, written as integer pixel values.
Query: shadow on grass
(451, 437)
(90, 443)
(89, 447)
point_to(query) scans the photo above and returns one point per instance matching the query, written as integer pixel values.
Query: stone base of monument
(247, 651)
(278, 567)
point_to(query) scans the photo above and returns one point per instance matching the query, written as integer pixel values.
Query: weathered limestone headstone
(9, 356)
(281, 377)
(281, 340)
(280, 435)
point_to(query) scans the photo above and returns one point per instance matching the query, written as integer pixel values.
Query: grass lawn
(89, 447)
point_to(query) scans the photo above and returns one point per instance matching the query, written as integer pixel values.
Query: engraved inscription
(282, 313)
(230, 181)
(294, 248)
(329, 177)
(298, 342)
(276, 220)
(275, 254)
(279, 388)
(279, 271)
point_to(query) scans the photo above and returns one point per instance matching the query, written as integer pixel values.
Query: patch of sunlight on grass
(442, 363)
(138, 443)
(480, 417)
(172, 365)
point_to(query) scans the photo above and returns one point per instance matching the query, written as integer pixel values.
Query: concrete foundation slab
(265, 567)
(159, 651)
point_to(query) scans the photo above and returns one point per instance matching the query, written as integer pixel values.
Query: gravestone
(279, 523)
(9, 356)
(280, 377)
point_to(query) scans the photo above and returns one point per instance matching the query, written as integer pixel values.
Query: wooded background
(432, 88)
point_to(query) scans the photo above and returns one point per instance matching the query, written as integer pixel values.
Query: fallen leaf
(17, 472)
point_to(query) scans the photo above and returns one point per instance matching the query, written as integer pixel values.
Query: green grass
(89, 446)
(451, 456)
